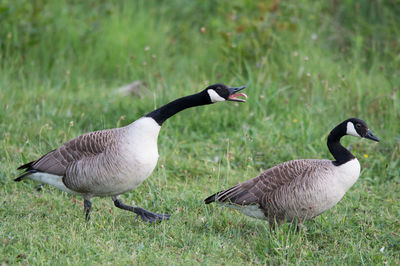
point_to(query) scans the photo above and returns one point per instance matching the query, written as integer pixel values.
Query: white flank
(214, 96)
(253, 211)
(53, 180)
(249, 210)
(351, 130)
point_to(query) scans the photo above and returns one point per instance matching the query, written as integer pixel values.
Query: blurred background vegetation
(304, 60)
(43, 33)
(308, 65)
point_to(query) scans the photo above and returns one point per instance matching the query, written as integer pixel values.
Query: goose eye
(358, 126)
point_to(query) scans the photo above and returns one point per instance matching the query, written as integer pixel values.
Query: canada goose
(114, 161)
(299, 189)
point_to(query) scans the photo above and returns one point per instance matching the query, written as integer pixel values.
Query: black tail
(28, 172)
(212, 198)
(26, 166)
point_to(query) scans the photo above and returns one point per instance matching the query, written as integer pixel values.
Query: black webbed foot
(142, 213)
(150, 216)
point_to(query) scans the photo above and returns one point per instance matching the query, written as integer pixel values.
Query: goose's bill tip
(371, 136)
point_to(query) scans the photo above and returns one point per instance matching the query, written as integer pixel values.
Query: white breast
(139, 152)
(347, 174)
(337, 184)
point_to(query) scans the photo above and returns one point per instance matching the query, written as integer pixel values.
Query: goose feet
(150, 216)
(142, 213)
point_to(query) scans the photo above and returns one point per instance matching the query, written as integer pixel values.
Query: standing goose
(114, 161)
(300, 189)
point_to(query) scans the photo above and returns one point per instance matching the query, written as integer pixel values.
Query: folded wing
(254, 190)
(57, 161)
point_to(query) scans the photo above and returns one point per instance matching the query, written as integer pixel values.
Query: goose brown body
(299, 189)
(114, 161)
(106, 162)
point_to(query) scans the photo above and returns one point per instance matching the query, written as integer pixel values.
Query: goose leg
(87, 206)
(301, 226)
(144, 215)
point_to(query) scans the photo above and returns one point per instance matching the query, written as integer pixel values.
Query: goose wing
(252, 191)
(56, 161)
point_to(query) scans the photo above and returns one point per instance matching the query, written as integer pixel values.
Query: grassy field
(307, 65)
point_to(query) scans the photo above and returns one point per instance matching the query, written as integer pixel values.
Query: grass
(307, 65)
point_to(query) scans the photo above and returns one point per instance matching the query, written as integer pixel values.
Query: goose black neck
(340, 153)
(164, 112)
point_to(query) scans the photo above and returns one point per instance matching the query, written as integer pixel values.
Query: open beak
(233, 95)
(371, 136)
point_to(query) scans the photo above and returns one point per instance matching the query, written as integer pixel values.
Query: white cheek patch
(351, 130)
(214, 96)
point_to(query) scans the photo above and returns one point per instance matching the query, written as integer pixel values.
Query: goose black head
(357, 127)
(220, 92)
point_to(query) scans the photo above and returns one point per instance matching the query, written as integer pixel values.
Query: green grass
(61, 62)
